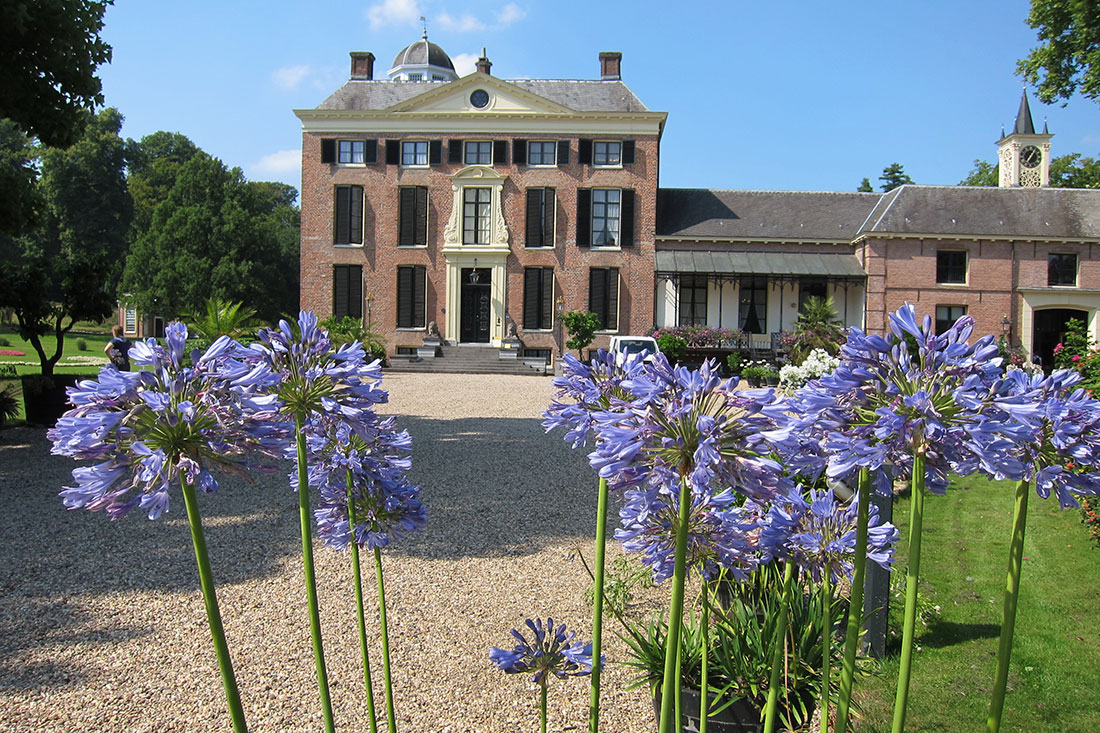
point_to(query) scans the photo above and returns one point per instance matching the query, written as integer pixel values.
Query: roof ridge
(767, 190)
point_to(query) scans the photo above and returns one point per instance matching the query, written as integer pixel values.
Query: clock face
(479, 98)
(1031, 156)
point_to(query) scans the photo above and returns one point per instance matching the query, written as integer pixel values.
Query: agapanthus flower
(552, 651)
(819, 535)
(590, 388)
(150, 428)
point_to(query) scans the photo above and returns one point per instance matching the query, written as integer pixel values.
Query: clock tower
(1024, 155)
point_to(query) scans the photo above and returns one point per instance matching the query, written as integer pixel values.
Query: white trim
(560, 126)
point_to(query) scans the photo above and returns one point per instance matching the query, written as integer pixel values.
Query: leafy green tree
(20, 200)
(894, 175)
(983, 174)
(1068, 59)
(154, 163)
(216, 235)
(865, 186)
(582, 327)
(1066, 171)
(49, 51)
(818, 327)
(65, 271)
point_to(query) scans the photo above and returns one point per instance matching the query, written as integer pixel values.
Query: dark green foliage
(348, 329)
(865, 186)
(9, 404)
(818, 327)
(20, 199)
(672, 347)
(81, 345)
(1066, 171)
(1090, 515)
(154, 163)
(1068, 59)
(220, 318)
(1074, 346)
(983, 174)
(733, 361)
(894, 175)
(582, 327)
(49, 51)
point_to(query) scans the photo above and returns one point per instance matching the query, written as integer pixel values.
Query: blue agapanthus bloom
(590, 388)
(819, 534)
(552, 651)
(175, 420)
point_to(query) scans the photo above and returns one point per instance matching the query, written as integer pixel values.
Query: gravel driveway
(102, 626)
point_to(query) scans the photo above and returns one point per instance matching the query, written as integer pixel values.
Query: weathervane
(424, 22)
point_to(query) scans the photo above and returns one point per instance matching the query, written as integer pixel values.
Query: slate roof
(577, 95)
(423, 52)
(762, 215)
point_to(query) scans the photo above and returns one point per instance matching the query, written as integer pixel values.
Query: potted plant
(759, 372)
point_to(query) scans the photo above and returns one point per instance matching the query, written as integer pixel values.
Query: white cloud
(289, 77)
(463, 24)
(509, 14)
(394, 12)
(465, 63)
(279, 164)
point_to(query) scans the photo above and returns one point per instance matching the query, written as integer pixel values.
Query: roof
(699, 213)
(1024, 123)
(997, 213)
(759, 263)
(577, 95)
(423, 52)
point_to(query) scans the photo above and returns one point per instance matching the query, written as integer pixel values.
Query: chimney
(362, 65)
(611, 65)
(483, 63)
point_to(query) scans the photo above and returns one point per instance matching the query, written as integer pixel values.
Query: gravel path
(102, 626)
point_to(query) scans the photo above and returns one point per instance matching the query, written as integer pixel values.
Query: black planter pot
(740, 716)
(45, 399)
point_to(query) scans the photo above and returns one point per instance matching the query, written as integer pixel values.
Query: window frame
(544, 308)
(755, 284)
(478, 154)
(945, 270)
(691, 284)
(482, 215)
(129, 320)
(417, 308)
(348, 279)
(419, 220)
(947, 321)
(1052, 257)
(547, 221)
(351, 144)
(595, 234)
(604, 309)
(618, 158)
(415, 153)
(553, 154)
(353, 230)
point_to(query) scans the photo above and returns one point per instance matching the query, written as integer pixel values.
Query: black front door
(476, 297)
(1050, 327)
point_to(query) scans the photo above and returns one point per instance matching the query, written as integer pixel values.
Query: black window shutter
(549, 208)
(584, 217)
(355, 291)
(519, 152)
(626, 219)
(597, 293)
(435, 152)
(454, 151)
(534, 217)
(406, 216)
(531, 297)
(563, 152)
(500, 152)
(370, 151)
(419, 283)
(546, 294)
(355, 215)
(328, 151)
(393, 152)
(404, 297)
(420, 235)
(584, 152)
(341, 210)
(340, 290)
(628, 152)
(611, 323)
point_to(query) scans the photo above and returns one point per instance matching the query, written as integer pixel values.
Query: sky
(780, 95)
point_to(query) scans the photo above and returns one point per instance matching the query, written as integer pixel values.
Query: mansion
(486, 208)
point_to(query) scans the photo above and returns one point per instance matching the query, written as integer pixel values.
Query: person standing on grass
(118, 348)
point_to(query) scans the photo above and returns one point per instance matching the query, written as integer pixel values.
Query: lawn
(1056, 656)
(71, 355)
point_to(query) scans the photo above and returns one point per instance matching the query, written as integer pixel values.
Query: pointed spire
(1045, 130)
(1024, 125)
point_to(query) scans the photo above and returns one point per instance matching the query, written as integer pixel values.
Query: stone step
(467, 360)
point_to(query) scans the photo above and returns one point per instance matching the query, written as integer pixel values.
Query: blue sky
(774, 95)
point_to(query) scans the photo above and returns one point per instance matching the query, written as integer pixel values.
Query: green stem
(391, 719)
(597, 608)
(542, 707)
(1012, 595)
(855, 603)
(778, 654)
(916, 518)
(311, 580)
(704, 701)
(213, 615)
(826, 646)
(670, 688)
(358, 580)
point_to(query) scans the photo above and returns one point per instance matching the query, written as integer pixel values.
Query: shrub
(818, 327)
(81, 345)
(1090, 516)
(817, 364)
(348, 329)
(9, 404)
(673, 347)
(758, 370)
(733, 361)
(5, 341)
(582, 327)
(699, 337)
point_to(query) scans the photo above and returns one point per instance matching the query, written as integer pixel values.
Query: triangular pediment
(503, 98)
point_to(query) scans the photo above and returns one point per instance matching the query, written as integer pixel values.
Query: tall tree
(1068, 59)
(49, 51)
(67, 269)
(154, 163)
(865, 186)
(20, 200)
(894, 175)
(1066, 171)
(983, 174)
(216, 235)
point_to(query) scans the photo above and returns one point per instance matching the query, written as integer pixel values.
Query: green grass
(1055, 672)
(96, 342)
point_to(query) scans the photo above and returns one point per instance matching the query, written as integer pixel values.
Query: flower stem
(670, 687)
(855, 602)
(391, 719)
(916, 518)
(358, 579)
(597, 607)
(704, 702)
(826, 646)
(778, 653)
(311, 580)
(213, 615)
(1012, 594)
(542, 707)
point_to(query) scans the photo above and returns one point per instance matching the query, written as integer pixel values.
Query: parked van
(635, 345)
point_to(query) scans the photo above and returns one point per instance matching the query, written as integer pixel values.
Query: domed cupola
(422, 61)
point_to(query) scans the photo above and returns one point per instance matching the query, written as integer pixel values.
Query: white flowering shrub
(817, 364)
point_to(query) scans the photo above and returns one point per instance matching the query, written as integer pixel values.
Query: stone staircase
(469, 359)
